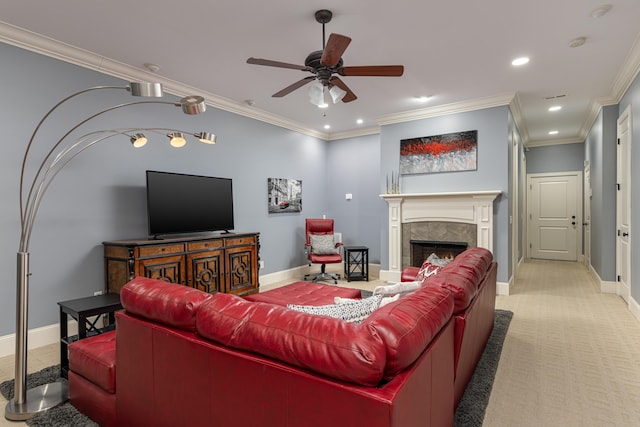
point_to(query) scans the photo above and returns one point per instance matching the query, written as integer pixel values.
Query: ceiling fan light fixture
(316, 94)
(337, 94)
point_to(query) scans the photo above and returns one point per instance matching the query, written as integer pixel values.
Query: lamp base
(39, 399)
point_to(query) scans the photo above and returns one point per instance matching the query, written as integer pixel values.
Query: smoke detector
(152, 67)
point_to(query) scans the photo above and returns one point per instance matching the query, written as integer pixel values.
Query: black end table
(356, 263)
(82, 309)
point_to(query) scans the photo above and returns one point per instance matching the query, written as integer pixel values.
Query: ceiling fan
(323, 64)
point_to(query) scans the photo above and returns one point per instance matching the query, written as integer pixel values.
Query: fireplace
(452, 217)
(446, 233)
(422, 249)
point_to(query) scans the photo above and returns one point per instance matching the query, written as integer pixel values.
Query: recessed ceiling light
(359, 121)
(553, 132)
(577, 42)
(555, 108)
(599, 12)
(423, 98)
(520, 61)
(327, 126)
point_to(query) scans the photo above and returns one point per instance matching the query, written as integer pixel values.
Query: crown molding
(626, 75)
(516, 111)
(559, 141)
(49, 47)
(46, 46)
(445, 109)
(373, 130)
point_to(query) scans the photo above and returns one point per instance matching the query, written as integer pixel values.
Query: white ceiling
(457, 51)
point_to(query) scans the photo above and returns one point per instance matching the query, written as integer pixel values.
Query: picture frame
(284, 195)
(451, 152)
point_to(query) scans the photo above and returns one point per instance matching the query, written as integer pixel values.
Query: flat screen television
(186, 204)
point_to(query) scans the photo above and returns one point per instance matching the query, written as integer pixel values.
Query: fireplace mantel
(473, 207)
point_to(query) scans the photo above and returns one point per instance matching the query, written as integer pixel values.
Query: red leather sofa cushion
(459, 282)
(95, 359)
(408, 325)
(164, 302)
(325, 345)
(304, 293)
(461, 277)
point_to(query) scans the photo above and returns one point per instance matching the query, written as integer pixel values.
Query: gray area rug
(474, 401)
(469, 413)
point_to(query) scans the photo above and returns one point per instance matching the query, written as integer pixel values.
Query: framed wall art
(284, 195)
(451, 152)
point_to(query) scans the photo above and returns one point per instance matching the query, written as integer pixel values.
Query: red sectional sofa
(471, 279)
(184, 357)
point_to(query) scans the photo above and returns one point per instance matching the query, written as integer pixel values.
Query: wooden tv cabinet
(226, 262)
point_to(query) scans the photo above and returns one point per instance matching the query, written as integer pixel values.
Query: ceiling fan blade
(350, 96)
(336, 45)
(373, 70)
(270, 63)
(287, 90)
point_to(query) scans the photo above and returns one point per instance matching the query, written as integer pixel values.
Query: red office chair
(321, 247)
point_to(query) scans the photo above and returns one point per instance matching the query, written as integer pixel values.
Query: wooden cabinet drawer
(199, 246)
(240, 241)
(146, 251)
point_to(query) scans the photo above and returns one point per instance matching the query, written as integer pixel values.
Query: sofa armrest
(409, 274)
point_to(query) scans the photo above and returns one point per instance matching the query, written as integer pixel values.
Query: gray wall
(555, 158)
(600, 150)
(101, 194)
(492, 174)
(354, 167)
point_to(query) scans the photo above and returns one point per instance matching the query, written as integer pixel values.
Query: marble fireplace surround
(474, 207)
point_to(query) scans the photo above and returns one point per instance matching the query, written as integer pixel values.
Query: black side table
(356, 263)
(81, 310)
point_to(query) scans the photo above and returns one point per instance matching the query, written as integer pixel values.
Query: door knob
(625, 234)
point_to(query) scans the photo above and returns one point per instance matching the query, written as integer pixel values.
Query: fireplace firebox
(421, 249)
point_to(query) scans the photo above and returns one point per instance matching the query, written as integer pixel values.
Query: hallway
(571, 355)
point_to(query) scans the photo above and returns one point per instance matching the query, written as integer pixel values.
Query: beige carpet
(571, 356)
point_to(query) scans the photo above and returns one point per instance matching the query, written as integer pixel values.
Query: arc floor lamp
(27, 403)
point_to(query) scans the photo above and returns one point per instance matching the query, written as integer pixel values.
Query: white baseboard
(37, 337)
(298, 273)
(502, 288)
(634, 307)
(390, 276)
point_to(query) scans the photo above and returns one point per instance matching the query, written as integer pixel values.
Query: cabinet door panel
(242, 269)
(206, 271)
(169, 269)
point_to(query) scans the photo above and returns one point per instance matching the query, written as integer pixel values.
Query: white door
(623, 205)
(587, 214)
(555, 216)
(515, 214)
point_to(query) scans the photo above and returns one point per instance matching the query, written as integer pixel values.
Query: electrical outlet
(261, 264)
(96, 293)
